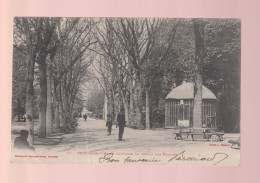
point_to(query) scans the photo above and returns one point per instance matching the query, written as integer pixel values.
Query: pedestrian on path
(121, 123)
(109, 124)
(85, 117)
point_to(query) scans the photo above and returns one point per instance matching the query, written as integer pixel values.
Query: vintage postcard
(149, 91)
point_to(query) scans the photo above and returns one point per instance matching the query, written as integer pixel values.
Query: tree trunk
(147, 110)
(29, 99)
(197, 110)
(131, 105)
(61, 110)
(56, 110)
(138, 105)
(65, 105)
(43, 99)
(49, 101)
(105, 108)
(126, 108)
(29, 82)
(198, 27)
(112, 106)
(57, 93)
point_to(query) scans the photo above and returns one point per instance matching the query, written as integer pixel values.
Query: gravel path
(91, 138)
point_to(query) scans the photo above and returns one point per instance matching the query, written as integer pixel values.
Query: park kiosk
(179, 107)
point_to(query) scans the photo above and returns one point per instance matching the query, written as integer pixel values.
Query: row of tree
(140, 60)
(53, 53)
(136, 62)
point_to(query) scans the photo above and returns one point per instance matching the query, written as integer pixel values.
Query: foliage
(136, 62)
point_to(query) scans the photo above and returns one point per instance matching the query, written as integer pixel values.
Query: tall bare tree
(24, 34)
(139, 37)
(71, 61)
(198, 27)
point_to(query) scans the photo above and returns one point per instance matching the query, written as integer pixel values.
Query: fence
(177, 110)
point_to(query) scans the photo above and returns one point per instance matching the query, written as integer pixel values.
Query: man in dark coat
(85, 117)
(121, 123)
(21, 142)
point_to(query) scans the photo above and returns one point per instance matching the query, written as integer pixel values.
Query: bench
(178, 135)
(182, 131)
(207, 133)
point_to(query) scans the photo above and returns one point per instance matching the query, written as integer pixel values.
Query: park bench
(182, 131)
(206, 133)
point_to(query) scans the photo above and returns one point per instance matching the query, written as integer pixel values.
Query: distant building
(179, 107)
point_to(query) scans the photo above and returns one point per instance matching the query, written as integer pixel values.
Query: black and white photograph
(149, 91)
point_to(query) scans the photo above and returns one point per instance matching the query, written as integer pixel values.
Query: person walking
(85, 117)
(121, 123)
(109, 124)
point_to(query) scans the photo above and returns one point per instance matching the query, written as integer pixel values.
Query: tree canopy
(135, 61)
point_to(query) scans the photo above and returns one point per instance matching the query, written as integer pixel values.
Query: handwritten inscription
(218, 157)
(215, 159)
(108, 158)
(131, 160)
